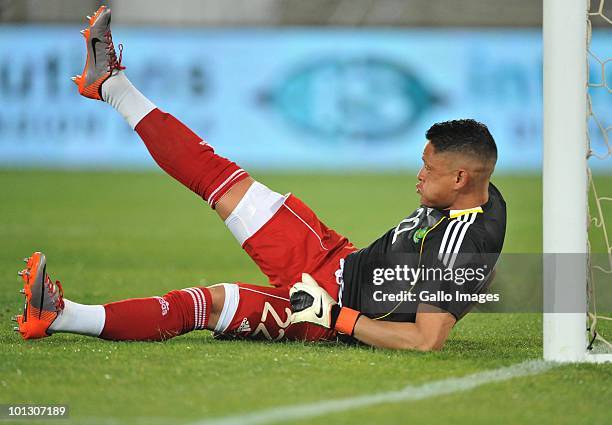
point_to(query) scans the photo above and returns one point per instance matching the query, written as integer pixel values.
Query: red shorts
(292, 242)
(295, 241)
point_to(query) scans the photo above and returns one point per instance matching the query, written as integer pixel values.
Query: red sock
(157, 318)
(187, 158)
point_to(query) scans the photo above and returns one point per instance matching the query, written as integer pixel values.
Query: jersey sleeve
(453, 276)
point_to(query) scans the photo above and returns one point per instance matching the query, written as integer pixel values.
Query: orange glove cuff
(347, 318)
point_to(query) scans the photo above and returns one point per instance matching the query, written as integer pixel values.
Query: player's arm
(429, 332)
(311, 303)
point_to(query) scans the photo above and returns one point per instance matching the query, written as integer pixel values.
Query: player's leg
(177, 149)
(239, 310)
(185, 156)
(233, 310)
(155, 318)
(294, 240)
(262, 313)
(144, 319)
(285, 238)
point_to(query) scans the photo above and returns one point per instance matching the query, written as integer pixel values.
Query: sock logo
(244, 326)
(165, 306)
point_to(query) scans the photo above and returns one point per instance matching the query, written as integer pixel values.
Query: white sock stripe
(204, 311)
(212, 201)
(201, 312)
(231, 183)
(233, 176)
(195, 303)
(197, 306)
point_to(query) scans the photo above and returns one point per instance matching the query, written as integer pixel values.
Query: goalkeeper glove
(311, 303)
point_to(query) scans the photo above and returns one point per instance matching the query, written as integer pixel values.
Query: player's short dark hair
(463, 136)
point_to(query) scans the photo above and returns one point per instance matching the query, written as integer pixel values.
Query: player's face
(436, 179)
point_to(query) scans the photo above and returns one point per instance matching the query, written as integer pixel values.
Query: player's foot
(101, 59)
(44, 299)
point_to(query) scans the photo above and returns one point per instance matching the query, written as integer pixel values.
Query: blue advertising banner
(283, 98)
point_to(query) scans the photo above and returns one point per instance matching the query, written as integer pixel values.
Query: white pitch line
(410, 393)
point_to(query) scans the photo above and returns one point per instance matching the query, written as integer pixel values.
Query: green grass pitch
(110, 236)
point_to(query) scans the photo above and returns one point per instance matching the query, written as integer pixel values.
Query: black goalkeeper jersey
(455, 251)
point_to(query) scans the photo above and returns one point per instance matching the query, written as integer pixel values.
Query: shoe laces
(113, 62)
(59, 301)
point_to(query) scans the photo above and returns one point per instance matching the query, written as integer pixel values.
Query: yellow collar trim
(459, 213)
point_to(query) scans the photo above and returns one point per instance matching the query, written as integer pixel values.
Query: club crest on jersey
(420, 234)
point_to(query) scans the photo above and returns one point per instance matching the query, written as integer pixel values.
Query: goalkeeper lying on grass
(375, 295)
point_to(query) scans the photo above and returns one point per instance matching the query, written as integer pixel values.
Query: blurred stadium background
(281, 84)
(329, 99)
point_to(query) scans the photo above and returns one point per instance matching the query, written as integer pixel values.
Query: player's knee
(228, 202)
(195, 308)
(225, 298)
(217, 294)
(186, 309)
(256, 206)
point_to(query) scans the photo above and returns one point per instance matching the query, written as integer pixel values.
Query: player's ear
(461, 178)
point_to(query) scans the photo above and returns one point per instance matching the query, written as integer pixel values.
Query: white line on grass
(409, 393)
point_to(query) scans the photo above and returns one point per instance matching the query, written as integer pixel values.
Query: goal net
(599, 93)
(576, 178)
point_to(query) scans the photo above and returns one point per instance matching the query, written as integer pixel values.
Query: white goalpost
(565, 182)
(564, 173)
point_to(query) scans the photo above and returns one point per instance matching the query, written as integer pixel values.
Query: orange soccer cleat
(101, 59)
(44, 299)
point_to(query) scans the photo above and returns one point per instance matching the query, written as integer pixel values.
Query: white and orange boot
(44, 299)
(102, 61)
